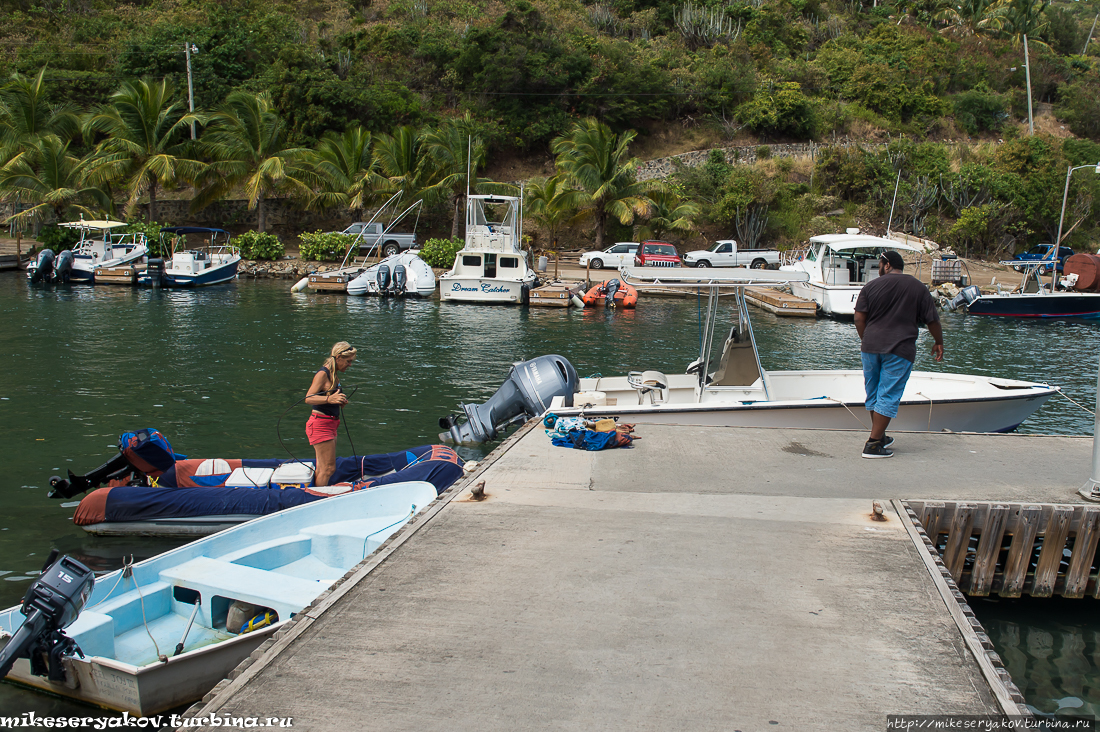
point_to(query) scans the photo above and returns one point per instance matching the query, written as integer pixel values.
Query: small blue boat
(262, 573)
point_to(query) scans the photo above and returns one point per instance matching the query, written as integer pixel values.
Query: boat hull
(837, 301)
(959, 403)
(483, 290)
(1035, 305)
(212, 276)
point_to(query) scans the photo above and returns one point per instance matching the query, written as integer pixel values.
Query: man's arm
(861, 323)
(937, 333)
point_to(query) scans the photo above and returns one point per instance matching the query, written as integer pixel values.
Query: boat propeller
(51, 604)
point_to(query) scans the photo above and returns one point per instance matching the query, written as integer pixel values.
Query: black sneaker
(875, 449)
(887, 440)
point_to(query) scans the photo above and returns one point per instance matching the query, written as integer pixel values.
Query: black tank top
(331, 410)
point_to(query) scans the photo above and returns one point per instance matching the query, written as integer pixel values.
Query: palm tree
(347, 169)
(456, 152)
(670, 213)
(26, 115)
(401, 159)
(247, 142)
(596, 162)
(546, 202)
(969, 17)
(145, 146)
(53, 180)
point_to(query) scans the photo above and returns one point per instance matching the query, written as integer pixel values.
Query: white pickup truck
(724, 253)
(370, 236)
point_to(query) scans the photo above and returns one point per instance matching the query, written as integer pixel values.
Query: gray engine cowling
(530, 387)
(966, 296)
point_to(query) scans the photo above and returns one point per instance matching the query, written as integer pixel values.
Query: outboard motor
(154, 268)
(146, 451)
(400, 279)
(51, 604)
(530, 387)
(63, 266)
(612, 287)
(382, 276)
(966, 296)
(43, 266)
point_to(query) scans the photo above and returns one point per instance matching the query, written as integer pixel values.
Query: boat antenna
(890, 222)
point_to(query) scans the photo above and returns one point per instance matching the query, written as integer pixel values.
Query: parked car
(1040, 252)
(724, 253)
(370, 233)
(614, 256)
(656, 254)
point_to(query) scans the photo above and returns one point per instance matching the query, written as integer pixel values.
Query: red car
(656, 254)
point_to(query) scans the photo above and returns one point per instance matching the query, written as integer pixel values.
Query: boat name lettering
(457, 287)
(486, 287)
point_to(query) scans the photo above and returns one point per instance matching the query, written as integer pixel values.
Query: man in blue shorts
(888, 315)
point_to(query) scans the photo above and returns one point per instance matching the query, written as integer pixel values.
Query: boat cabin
(492, 225)
(489, 265)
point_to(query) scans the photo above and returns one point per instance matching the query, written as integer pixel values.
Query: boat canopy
(837, 242)
(99, 225)
(192, 230)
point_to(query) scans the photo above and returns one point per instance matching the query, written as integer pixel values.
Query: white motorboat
(492, 266)
(837, 267)
(738, 391)
(213, 262)
(154, 635)
(400, 275)
(99, 249)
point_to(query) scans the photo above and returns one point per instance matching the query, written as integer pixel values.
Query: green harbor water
(215, 369)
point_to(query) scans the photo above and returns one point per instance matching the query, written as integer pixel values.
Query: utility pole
(1027, 76)
(1089, 39)
(187, 47)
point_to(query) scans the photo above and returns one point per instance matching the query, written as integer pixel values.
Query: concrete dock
(704, 579)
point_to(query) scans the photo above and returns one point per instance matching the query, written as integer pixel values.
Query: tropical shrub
(57, 238)
(259, 245)
(152, 235)
(440, 252)
(323, 246)
(980, 110)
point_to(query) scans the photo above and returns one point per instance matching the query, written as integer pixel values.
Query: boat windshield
(485, 214)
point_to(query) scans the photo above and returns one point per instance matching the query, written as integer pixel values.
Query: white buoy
(300, 285)
(577, 302)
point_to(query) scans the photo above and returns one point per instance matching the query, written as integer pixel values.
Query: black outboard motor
(51, 604)
(63, 266)
(43, 266)
(154, 269)
(400, 279)
(530, 387)
(966, 296)
(382, 276)
(612, 287)
(115, 468)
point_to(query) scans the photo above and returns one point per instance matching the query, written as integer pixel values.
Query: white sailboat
(491, 267)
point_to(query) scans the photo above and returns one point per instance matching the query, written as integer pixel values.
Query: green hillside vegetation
(337, 105)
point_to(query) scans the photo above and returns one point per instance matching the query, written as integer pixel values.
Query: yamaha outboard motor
(154, 269)
(530, 387)
(966, 296)
(612, 288)
(400, 279)
(382, 276)
(51, 604)
(63, 266)
(43, 266)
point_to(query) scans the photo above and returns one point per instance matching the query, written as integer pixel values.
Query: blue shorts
(885, 376)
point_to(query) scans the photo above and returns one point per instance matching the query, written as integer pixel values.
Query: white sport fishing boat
(99, 249)
(837, 267)
(492, 267)
(213, 262)
(737, 391)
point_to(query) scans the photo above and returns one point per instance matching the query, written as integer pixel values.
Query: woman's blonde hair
(341, 349)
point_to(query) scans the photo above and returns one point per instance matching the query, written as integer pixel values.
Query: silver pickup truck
(370, 236)
(724, 253)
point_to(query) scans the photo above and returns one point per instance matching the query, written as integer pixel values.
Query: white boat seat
(220, 582)
(738, 366)
(653, 384)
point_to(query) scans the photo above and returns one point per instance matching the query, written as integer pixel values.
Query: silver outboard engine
(43, 266)
(400, 279)
(382, 277)
(530, 387)
(966, 296)
(63, 266)
(612, 287)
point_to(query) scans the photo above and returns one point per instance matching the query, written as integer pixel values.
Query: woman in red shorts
(326, 397)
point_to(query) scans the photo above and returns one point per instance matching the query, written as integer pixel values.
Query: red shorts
(321, 428)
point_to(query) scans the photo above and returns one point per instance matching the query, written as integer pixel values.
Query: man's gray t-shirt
(896, 304)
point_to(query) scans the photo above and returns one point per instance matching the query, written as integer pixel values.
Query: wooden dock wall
(1013, 549)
